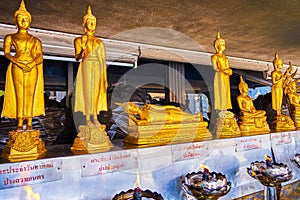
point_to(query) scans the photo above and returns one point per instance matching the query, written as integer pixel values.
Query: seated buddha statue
(155, 114)
(251, 119)
(294, 102)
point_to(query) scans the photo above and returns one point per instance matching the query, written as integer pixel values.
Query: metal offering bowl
(213, 187)
(269, 176)
(296, 160)
(137, 194)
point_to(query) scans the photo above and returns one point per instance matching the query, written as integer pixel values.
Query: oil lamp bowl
(213, 187)
(269, 176)
(296, 160)
(130, 194)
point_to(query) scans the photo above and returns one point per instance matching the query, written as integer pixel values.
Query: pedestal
(91, 139)
(164, 134)
(270, 193)
(253, 125)
(23, 145)
(282, 123)
(226, 126)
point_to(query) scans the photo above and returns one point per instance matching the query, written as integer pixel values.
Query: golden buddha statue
(226, 125)
(24, 89)
(290, 89)
(252, 121)
(154, 114)
(157, 125)
(91, 79)
(90, 88)
(221, 81)
(282, 122)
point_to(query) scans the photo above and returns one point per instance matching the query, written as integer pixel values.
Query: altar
(160, 169)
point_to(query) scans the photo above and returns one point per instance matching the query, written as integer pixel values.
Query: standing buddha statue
(24, 89)
(90, 88)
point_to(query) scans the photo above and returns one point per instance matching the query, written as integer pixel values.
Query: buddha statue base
(282, 123)
(91, 139)
(23, 145)
(156, 134)
(295, 115)
(253, 125)
(226, 126)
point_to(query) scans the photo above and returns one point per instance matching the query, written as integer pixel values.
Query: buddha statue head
(219, 43)
(89, 20)
(243, 86)
(22, 12)
(277, 62)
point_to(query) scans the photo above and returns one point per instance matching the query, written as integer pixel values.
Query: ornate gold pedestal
(226, 126)
(23, 145)
(91, 139)
(162, 134)
(282, 123)
(253, 126)
(295, 115)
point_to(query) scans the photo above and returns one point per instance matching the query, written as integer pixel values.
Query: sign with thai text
(109, 162)
(281, 138)
(30, 172)
(248, 143)
(188, 151)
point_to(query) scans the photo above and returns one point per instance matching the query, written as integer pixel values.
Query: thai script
(26, 168)
(110, 167)
(22, 180)
(110, 157)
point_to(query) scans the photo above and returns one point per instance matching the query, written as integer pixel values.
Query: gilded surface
(90, 89)
(226, 126)
(252, 121)
(159, 125)
(24, 145)
(92, 138)
(293, 98)
(279, 81)
(91, 79)
(222, 76)
(24, 92)
(24, 89)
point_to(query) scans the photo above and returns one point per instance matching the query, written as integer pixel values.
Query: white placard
(189, 151)
(281, 138)
(109, 162)
(30, 172)
(248, 143)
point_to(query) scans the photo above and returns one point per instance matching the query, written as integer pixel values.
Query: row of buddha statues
(253, 121)
(24, 97)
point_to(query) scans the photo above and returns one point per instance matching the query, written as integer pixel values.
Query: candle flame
(137, 182)
(268, 158)
(202, 167)
(30, 194)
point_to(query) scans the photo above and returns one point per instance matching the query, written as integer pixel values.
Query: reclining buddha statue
(251, 121)
(155, 114)
(156, 125)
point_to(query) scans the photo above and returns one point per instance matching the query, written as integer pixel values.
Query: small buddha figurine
(222, 80)
(24, 89)
(252, 121)
(91, 79)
